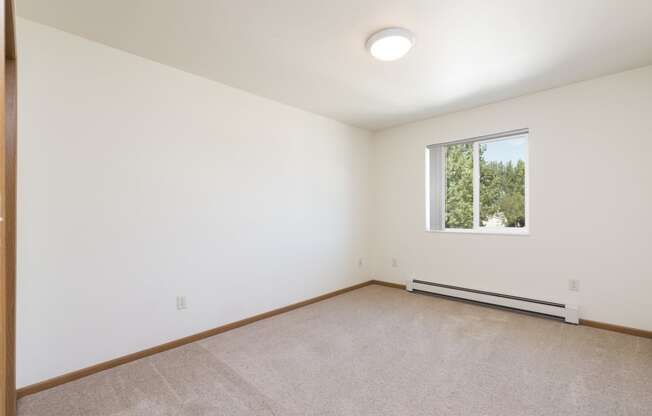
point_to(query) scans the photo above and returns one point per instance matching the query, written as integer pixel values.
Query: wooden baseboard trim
(388, 284)
(585, 322)
(84, 372)
(617, 328)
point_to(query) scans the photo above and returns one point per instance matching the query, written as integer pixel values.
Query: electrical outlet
(394, 263)
(181, 303)
(573, 285)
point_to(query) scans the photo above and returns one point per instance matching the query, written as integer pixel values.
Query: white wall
(139, 182)
(591, 201)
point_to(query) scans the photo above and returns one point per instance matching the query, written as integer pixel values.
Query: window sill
(511, 232)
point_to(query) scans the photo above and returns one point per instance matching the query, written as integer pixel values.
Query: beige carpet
(377, 351)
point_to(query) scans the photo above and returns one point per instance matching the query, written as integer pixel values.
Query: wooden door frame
(8, 214)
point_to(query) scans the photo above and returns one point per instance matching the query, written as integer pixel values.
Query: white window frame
(477, 228)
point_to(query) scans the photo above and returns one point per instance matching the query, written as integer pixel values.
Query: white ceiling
(310, 53)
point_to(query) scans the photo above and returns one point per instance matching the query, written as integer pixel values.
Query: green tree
(459, 186)
(502, 191)
(502, 188)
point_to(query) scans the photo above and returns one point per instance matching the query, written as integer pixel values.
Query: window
(479, 185)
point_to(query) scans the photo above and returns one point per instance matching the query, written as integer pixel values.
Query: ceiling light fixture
(390, 44)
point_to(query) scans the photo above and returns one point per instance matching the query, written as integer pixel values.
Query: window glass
(502, 183)
(459, 186)
(479, 185)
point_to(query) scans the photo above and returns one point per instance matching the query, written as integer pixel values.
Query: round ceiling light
(390, 44)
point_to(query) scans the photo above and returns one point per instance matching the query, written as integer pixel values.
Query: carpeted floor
(372, 352)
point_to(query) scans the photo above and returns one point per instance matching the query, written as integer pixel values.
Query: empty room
(326, 208)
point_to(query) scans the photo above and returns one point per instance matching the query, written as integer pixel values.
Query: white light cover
(390, 44)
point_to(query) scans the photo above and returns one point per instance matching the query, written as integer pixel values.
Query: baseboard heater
(569, 313)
